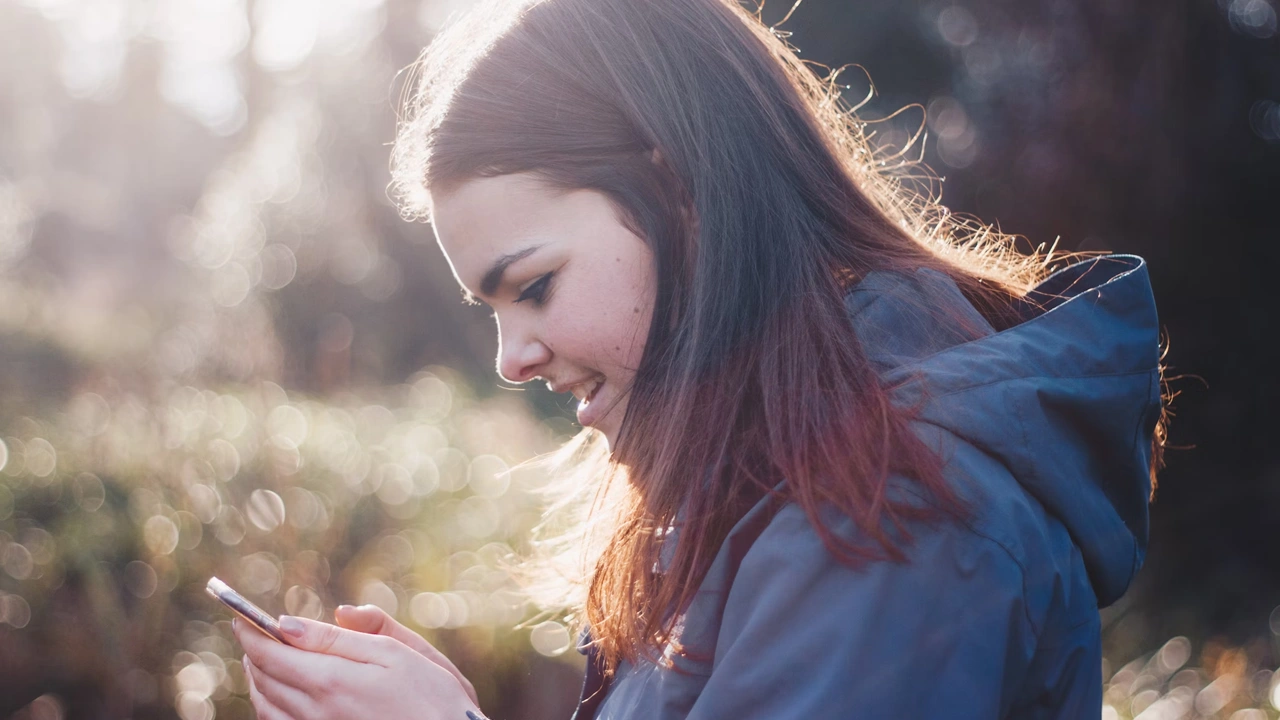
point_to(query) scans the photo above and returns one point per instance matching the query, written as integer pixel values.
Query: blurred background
(223, 353)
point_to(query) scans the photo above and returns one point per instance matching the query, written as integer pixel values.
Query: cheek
(604, 334)
(610, 330)
(630, 304)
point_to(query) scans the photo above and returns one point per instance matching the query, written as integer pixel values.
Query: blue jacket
(1046, 430)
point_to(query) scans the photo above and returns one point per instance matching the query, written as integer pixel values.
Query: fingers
(409, 685)
(365, 618)
(373, 619)
(318, 637)
(265, 709)
(297, 682)
(290, 665)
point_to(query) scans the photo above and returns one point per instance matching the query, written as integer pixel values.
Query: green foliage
(116, 511)
(193, 218)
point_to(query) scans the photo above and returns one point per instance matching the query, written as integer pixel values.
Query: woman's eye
(537, 292)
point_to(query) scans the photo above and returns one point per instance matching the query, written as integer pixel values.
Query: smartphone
(255, 615)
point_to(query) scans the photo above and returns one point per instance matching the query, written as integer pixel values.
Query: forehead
(488, 216)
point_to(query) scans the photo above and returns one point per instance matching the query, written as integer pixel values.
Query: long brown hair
(766, 205)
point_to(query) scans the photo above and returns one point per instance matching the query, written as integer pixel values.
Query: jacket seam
(998, 381)
(1022, 570)
(1137, 431)
(1139, 265)
(1067, 631)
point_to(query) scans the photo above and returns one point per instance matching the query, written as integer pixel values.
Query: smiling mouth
(587, 391)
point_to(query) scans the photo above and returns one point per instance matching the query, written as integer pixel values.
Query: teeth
(584, 391)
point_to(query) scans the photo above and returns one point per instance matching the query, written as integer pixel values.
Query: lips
(586, 392)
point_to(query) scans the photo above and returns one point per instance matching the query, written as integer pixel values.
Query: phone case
(255, 615)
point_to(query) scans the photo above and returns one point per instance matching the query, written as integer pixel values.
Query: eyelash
(537, 292)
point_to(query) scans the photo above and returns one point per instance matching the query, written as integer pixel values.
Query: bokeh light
(225, 355)
(549, 638)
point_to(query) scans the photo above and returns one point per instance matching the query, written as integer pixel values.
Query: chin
(606, 438)
(607, 427)
(605, 434)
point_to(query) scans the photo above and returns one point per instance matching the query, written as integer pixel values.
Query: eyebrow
(493, 276)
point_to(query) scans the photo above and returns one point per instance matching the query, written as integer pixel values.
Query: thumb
(373, 619)
(318, 637)
(365, 619)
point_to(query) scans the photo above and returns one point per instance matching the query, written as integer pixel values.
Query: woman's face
(572, 289)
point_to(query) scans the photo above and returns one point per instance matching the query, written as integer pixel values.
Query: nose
(520, 354)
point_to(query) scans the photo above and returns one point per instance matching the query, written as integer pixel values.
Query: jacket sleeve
(803, 636)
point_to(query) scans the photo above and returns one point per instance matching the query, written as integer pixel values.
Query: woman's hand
(373, 619)
(334, 673)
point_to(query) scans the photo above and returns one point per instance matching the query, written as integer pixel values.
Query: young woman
(845, 455)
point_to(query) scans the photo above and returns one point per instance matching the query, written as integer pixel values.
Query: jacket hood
(1067, 399)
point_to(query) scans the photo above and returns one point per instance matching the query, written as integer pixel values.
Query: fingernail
(345, 608)
(235, 624)
(291, 626)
